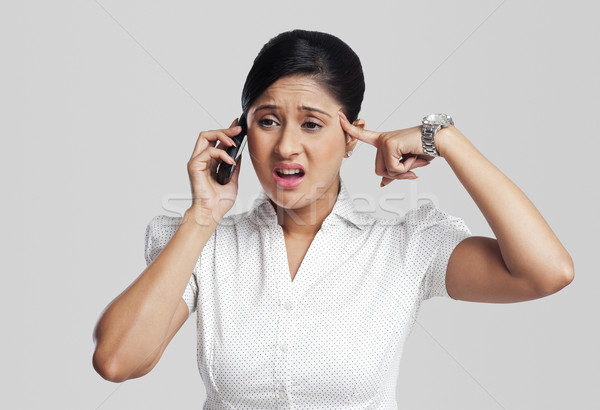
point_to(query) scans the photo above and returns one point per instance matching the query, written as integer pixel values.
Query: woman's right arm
(137, 325)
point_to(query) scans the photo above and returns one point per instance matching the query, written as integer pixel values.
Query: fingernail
(381, 184)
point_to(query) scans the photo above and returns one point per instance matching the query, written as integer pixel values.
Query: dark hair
(321, 56)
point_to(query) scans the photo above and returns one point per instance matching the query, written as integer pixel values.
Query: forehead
(296, 89)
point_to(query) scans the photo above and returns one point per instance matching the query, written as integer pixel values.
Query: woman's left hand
(397, 151)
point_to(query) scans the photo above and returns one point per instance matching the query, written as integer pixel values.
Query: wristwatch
(431, 124)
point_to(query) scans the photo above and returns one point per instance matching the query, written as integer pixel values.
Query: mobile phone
(224, 169)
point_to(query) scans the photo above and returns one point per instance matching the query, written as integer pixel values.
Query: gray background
(102, 104)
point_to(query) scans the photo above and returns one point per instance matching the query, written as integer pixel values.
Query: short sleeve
(433, 235)
(159, 232)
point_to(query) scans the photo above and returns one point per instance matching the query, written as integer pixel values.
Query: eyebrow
(303, 107)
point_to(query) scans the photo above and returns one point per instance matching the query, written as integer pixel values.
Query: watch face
(437, 119)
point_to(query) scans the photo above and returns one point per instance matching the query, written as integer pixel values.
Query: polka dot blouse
(332, 337)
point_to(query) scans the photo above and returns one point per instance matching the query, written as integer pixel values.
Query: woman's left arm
(526, 260)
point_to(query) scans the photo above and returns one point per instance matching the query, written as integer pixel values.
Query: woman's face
(300, 128)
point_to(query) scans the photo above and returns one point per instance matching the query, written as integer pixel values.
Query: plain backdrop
(102, 103)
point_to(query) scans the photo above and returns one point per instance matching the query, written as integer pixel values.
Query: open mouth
(289, 173)
(288, 178)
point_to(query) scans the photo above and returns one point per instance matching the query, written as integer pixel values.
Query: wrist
(443, 138)
(451, 140)
(200, 217)
(431, 134)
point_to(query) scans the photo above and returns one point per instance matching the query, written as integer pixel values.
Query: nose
(288, 144)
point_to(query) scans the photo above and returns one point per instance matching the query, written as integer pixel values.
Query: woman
(302, 300)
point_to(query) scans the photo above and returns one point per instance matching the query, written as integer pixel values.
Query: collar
(343, 210)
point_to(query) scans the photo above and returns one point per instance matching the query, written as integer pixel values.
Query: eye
(262, 122)
(314, 125)
(269, 123)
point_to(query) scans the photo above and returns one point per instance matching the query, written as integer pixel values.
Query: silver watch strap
(428, 141)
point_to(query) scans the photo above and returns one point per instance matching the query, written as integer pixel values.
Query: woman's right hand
(209, 198)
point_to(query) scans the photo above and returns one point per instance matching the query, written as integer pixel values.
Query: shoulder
(159, 232)
(429, 216)
(419, 223)
(162, 227)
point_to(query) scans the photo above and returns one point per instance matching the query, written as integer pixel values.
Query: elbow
(564, 280)
(557, 281)
(567, 274)
(118, 368)
(107, 368)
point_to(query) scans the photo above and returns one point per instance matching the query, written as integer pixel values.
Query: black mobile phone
(224, 169)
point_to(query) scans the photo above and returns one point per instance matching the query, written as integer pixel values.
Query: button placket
(286, 345)
(286, 325)
(284, 317)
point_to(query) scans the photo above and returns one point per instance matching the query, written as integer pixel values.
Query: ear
(352, 141)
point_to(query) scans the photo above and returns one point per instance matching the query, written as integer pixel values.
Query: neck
(306, 221)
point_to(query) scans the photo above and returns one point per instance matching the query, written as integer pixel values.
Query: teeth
(288, 171)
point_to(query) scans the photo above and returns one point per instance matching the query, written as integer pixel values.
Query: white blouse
(332, 337)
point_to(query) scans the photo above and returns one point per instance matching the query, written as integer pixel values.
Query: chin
(289, 198)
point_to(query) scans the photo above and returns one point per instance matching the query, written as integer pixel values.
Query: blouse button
(283, 347)
(282, 394)
(287, 305)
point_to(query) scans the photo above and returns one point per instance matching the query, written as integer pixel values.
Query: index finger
(210, 138)
(361, 134)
